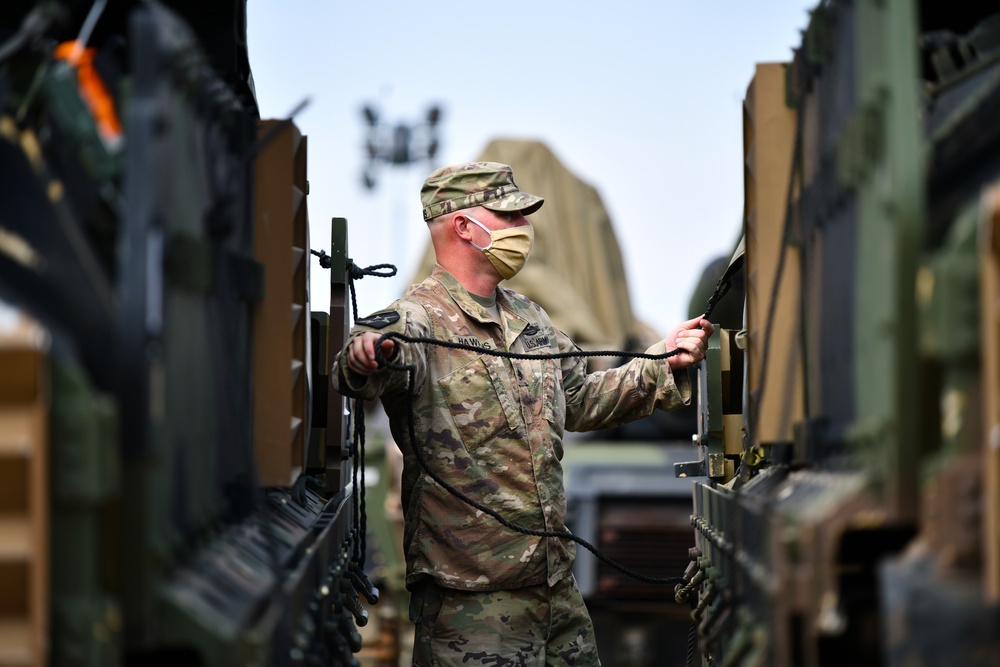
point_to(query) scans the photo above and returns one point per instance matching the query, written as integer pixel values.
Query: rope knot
(324, 259)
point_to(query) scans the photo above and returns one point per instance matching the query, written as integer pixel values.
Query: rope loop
(354, 271)
(377, 270)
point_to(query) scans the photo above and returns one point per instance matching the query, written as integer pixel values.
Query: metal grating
(651, 537)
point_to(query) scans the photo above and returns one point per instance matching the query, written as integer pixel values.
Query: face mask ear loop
(485, 229)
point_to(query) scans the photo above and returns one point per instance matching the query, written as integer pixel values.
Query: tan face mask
(508, 249)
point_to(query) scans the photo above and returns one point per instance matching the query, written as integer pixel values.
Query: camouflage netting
(575, 270)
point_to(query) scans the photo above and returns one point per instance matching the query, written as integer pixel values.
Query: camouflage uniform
(535, 625)
(493, 429)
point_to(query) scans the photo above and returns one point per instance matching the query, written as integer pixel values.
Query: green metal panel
(948, 298)
(86, 620)
(891, 203)
(338, 251)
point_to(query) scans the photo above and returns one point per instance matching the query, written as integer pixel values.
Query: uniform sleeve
(412, 322)
(619, 395)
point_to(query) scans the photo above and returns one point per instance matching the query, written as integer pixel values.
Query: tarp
(576, 270)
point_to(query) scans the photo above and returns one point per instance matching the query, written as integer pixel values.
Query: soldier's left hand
(691, 338)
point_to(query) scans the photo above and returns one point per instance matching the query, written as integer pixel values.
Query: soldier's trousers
(526, 627)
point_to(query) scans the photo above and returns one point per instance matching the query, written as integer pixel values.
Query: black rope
(356, 273)
(356, 445)
(692, 645)
(508, 355)
(721, 288)
(377, 270)
(324, 260)
(359, 406)
(358, 485)
(559, 534)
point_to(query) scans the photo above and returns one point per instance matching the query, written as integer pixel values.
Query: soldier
(492, 428)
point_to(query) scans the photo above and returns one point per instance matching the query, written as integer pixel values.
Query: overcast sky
(641, 99)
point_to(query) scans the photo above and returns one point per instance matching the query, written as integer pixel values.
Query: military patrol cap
(487, 184)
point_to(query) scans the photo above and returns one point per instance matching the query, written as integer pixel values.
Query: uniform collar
(512, 322)
(460, 295)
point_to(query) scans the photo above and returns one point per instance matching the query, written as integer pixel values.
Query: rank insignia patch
(379, 320)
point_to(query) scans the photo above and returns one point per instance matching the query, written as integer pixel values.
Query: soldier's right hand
(361, 352)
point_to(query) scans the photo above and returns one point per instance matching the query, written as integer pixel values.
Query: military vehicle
(847, 487)
(177, 484)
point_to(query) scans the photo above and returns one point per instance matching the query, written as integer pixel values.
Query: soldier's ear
(462, 226)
